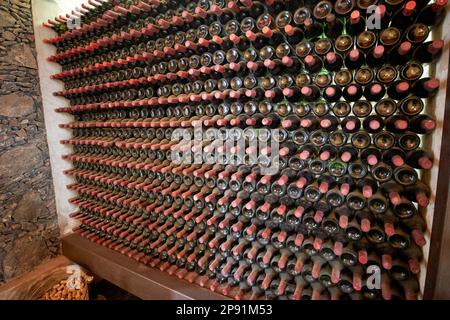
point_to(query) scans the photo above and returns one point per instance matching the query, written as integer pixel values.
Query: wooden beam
(438, 278)
(140, 280)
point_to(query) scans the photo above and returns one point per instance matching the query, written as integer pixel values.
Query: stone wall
(29, 231)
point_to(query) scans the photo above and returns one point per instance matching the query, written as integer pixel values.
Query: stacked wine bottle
(340, 86)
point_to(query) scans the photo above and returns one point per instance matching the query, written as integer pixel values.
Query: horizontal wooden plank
(140, 280)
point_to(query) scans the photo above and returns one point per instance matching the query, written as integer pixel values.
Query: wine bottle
(313, 63)
(428, 51)
(310, 93)
(334, 26)
(376, 57)
(293, 64)
(400, 54)
(374, 92)
(354, 59)
(294, 35)
(433, 14)
(356, 24)
(417, 226)
(422, 124)
(419, 159)
(399, 90)
(332, 93)
(313, 29)
(382, 15)
(397, 123)
(352, 93)
(405, 16)
(425, 87)
(333, 61)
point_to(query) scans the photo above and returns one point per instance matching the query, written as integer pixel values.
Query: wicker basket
(63, 284)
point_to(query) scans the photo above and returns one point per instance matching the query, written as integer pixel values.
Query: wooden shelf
(140, 280)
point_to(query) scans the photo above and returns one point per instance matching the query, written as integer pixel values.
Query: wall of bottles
(341, 81)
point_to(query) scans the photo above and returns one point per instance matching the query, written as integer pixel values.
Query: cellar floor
(104, 290)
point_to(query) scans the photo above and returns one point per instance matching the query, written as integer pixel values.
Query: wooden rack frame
(148, 283)
(134, 277)
(437, 282)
